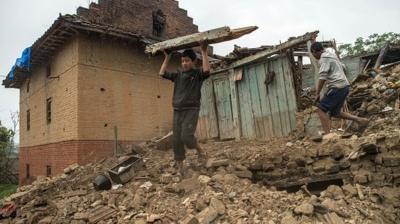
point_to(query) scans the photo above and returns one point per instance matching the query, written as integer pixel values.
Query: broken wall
(137, 16)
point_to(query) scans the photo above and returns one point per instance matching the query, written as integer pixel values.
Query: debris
(305, 209)
(102, 183)
(124, 171)
(360, 192)
(217, 163)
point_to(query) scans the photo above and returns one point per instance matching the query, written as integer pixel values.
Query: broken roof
(64, 28)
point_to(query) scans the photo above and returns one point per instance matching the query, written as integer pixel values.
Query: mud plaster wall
(63, 89)
(119, 86)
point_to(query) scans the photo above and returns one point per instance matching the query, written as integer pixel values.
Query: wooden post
(381, 57)
(235, 104)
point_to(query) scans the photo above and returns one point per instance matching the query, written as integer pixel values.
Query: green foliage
(7, 189)
(6, 142)
(371, 44)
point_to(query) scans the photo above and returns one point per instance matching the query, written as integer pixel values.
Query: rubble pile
(374, 94)
(230, 187)
(288, 180)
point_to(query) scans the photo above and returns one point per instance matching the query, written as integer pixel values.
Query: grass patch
(7, 189)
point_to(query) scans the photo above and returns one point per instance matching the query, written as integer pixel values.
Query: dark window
(48, 70)
(28, 85)
(48, 110)
(48, 171)
(28, 120)
(28, 171)
(159, 23)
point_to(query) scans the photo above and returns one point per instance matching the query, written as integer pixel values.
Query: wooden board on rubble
(211, 37)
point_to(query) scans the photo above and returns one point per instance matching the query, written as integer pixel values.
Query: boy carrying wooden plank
(186, 101)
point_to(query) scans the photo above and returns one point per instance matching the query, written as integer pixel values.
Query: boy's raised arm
(204, 55)
(164, 65)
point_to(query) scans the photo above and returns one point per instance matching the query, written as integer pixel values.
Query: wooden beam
(277, 49)
(211, 36)
(381, 56)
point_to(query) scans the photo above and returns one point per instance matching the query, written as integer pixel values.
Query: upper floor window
(48, 70)
(28, 120)
(28, 85)
(159, 23)
(48, 110)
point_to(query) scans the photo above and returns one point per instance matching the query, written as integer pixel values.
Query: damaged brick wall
(137, 16)
(60, 155)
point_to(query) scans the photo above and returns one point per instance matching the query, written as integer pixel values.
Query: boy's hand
(167, 53)
(203, 45)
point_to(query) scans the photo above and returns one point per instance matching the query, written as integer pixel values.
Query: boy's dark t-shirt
(187, 88)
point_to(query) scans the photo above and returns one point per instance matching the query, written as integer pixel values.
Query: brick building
(87, 75)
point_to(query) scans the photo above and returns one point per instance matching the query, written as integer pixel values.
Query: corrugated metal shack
(253, 97)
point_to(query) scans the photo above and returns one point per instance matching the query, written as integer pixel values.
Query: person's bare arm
(164, 65)
(320, 85)
(204, 55)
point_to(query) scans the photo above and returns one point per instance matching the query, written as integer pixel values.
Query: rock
(369, 148)
(166, 178)
(71, 168)
(292, 165)
(391, 161)
(361, 179)
(301, 161)
(349, 190)
(289, 144)
(190, 219)
(334, 192)
(337, 152)
(289, 219)
(217, 205)
(81, 216)
(331, 136)
(304, 209)
(147, 185)
(204, 179)
(330, 204)
(153, 217)
(217, 163)
(344, 164)
(244, 174)
(46, 220)
(332, 167)
(207, 215)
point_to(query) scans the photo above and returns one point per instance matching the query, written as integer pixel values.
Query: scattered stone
(217, 163)
(244, 174)
(46, 220)
(204, 179)
(391, 161)
(305, 209)
(190, 219)
(206, 216)
(217, 205)
(334, 192)
(349, 190)
(71, 168)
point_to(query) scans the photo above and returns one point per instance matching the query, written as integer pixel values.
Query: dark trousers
(185, 123)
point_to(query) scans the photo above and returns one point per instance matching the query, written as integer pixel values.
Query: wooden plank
(288, 75)
(211, 111)
(235, 105)
(256, 104)
(211, 36)
(245, 107)
(381, 56)
(224, 110)
(265, 104)
(273, 99)
(283, 96)
(277, 49)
